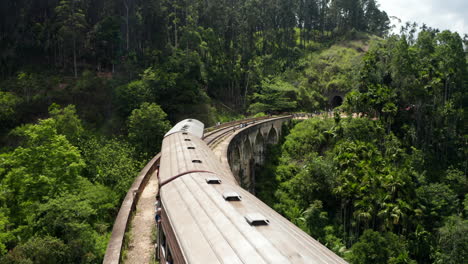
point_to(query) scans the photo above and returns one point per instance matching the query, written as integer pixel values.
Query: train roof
(212, 225)
(191, 126)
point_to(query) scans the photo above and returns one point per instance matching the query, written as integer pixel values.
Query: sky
(441, 14)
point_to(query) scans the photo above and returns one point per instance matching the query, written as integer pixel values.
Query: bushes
(379, 248)
(146, 128)
(350, 185)
(61, 188)
(39, 250)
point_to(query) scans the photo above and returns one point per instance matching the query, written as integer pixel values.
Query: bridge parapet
(247, 146)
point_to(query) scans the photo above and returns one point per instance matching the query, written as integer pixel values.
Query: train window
(232, 196)
(187, 139)
(196, 161)
(256, 219)
(190, 147)
(213, 180)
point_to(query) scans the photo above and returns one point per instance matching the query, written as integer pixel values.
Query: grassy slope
(334, 68)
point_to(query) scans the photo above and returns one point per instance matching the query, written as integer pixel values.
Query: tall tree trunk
(127, 9)
(112, 61)
(74, 58)
(175, 27)
(246, 88)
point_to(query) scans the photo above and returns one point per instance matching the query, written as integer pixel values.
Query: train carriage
(204, 216)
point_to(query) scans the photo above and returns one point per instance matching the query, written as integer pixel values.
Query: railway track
(214, 135)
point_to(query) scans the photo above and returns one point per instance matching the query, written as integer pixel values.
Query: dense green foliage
(340, 179)
(182, 55)
(391, 186)
(147, 126)
(125, 70)
(418, 88)
(60, 190)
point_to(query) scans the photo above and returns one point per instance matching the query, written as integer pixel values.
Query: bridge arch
(252, 143)
(246, 163)
(235, 161)
(272, 137)
(259, 148)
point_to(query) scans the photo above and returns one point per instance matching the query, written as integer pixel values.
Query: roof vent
(190, 147)
(256, 219)
(196, 161)
(187, 139)
(213, 180)
(232, 196)
(190, 120)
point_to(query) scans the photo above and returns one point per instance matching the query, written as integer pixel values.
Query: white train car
(204, 216)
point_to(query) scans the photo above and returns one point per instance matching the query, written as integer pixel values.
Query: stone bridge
(246, 149)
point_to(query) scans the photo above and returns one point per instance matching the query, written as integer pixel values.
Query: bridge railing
(114, 247)
(236, 137)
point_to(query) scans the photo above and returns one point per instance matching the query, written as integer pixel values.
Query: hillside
(388, 185)
(89, 87)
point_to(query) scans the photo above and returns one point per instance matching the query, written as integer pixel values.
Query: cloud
(448, 14)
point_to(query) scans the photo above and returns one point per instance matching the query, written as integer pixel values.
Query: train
(204, 216)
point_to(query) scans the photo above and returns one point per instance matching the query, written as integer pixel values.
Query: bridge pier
(247, 149)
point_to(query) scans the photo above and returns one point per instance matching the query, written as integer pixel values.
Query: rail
(114, 247)
(234, 123)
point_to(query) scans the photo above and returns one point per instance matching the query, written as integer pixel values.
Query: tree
(40, 250)
(375, 248)
(316, 220)
(276, 96)
(437, 201)
(146, 128)
(111, 162)
(8, 107)
(76, 217)
(29, 86)
(44, 165)
(131, 96)
(377, 21)
(71, 23)
(67, 122)
(457, 181)
(106, 38)
(5, 235)
(453, 241)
